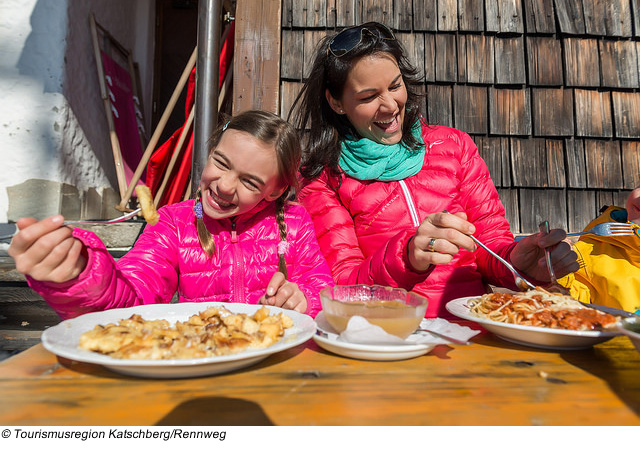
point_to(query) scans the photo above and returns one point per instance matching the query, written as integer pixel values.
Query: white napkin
(360, 331)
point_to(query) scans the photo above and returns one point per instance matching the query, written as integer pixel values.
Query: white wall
(52, 119)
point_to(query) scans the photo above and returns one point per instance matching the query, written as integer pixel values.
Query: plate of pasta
(179, 340)
(537, 318)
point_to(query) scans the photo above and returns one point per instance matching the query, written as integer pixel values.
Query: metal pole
(207, 79)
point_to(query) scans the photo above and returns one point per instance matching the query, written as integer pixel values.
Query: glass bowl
(631, 327)
(395, 310)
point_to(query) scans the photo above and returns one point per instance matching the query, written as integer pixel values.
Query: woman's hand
(284, 294)
(528, 255)
(438, 238)
(46, 250)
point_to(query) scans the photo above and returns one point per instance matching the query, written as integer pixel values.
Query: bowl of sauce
(395, 310)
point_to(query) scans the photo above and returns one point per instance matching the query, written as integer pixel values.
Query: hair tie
(283, 246)
(197, 209)
(226, 125)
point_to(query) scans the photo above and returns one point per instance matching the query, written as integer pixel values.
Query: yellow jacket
(609, 271)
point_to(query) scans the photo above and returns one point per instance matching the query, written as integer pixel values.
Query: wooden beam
(257, 55)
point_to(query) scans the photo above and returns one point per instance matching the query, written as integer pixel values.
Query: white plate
(327, 338)
(539, 337)
(63, 340)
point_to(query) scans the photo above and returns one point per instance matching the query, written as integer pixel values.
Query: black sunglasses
(349, 38)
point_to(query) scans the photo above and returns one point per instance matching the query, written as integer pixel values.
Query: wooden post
(257, 55)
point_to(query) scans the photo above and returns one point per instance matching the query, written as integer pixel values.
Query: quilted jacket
(363, 227)
(168, 257)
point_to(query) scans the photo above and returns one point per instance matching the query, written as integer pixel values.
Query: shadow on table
(618, 368)
(219, 411)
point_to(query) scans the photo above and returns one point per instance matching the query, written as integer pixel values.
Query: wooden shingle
(576, 163)
(425, 17)
(552, 112)
(471, 15)
(509, 60)
(447, 15)
(446, 67)
(316, 11)
(310, 42)
(609, 198)
(288, 92)
(555, 163)
(537, 205)
(504, 16)
(509, 198)
(346, 13)
(439, 105)
(626, 114)
(430, 57)
(495, 153)
(604, 165)
(570, 16)
(470, 108)
(631, 164)
(414, 46)
(287, 13)
(510, 112)
(475, 58)
(581, 209)
(635, 13)
(299, 13)
(290, 61)
(377, 11)
(619, 60)
(529, 163)
(609, 18)
(545, 61)
(593, 113)
(582, 62)
(403, 15)
(540, 16)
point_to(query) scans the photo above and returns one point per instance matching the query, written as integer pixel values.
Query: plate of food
(179, 340)
(328, 338)
(538, 318)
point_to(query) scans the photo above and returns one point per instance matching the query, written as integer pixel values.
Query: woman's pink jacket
(168, 257)
(364, 226)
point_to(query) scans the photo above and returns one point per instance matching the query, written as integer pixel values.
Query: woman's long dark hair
(322, 128)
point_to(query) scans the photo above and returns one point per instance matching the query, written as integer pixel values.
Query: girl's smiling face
(374, 98)
(240, 173)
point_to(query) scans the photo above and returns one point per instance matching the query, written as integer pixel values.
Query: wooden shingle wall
(548, 89)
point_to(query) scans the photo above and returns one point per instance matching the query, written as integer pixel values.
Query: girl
(377, 179)
(239, 241)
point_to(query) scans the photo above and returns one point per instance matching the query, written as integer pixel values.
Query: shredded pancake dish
(540, 308)
(216, 331)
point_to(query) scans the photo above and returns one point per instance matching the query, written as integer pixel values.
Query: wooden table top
(489, 383)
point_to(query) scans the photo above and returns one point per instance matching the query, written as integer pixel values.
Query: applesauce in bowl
(395, 310)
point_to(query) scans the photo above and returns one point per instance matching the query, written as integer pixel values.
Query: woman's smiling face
(240, 173)
(374, 98)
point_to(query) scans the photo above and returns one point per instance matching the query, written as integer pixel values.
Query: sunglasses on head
(349, 38)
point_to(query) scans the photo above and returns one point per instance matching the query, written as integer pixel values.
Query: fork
(608, 229)
(78, 222)
(602, 229)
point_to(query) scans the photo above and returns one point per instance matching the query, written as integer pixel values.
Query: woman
(394, 199)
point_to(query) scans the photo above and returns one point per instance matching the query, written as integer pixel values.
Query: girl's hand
(528, 255)
(46, 250)
(284, 294)
(438, 238)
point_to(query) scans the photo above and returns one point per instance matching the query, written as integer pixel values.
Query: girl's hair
(326, 128)
(272, 130)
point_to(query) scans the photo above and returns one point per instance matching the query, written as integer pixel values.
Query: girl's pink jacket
(364, 226)
(168, 257)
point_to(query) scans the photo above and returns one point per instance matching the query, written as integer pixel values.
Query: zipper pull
(234, 236)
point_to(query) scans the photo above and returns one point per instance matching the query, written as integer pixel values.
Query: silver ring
(431, 244)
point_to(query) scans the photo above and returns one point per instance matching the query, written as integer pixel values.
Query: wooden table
(489, 383)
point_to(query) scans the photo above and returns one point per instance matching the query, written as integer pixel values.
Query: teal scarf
(365, 159)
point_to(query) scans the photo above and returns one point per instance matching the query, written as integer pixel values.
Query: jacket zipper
(238, 266)
(413, 212)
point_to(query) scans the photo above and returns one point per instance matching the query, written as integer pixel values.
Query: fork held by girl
(377, 176)
(239, 241)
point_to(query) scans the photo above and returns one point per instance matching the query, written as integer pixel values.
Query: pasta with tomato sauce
(540, 308)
